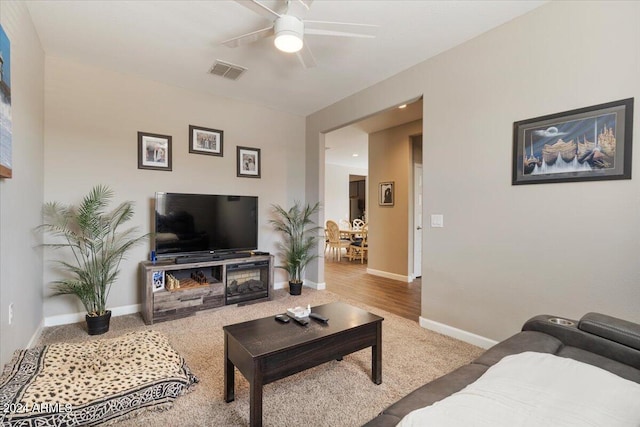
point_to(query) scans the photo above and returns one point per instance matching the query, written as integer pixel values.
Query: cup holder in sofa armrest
(611, 328)
(562, 322)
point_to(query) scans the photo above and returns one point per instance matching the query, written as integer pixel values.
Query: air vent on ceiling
(226, 70)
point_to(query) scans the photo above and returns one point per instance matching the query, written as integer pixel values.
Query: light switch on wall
(437, 220)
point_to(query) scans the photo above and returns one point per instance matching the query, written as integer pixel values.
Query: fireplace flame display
(246, 282)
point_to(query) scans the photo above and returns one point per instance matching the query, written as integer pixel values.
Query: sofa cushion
(432, 392)
(620, 369)
(537, 389)
(383, 420)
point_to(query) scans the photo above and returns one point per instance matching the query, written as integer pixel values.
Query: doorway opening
(396, 219)
(357, 197)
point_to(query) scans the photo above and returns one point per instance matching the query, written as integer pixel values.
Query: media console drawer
(180, 303)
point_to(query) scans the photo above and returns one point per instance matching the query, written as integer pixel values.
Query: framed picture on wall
(587, 144)
(205, 141)
(6, 168)
(249, 162)
(154, 151)
(386, 196)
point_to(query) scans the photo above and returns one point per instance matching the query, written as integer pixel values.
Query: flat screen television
(193, 224)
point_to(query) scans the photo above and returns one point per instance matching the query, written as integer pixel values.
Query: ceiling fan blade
(340, 29)
(306, 57)
(299, 8)
(248, 38)
(259, 8)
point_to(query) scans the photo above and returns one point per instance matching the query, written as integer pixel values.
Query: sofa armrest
(611, 328)
(574, 336)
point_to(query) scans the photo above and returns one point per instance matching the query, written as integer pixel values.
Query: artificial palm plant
(96, 242)
(300, 237)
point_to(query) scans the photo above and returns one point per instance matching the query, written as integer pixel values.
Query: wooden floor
(350, 278)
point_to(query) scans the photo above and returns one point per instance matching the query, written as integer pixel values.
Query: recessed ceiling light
(355, 154)
(402, 106)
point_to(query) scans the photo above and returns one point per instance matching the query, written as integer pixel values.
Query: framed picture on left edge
(6, 168)
(249, 162)
(154, 151)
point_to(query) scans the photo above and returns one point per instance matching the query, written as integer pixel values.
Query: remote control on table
(301, 320)
(282, 318)
(319, 317)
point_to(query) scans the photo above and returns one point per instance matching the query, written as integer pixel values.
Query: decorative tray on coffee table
(299, 312)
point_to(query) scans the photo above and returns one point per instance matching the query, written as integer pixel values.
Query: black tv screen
(199, 223)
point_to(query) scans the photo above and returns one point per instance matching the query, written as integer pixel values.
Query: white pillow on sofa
(533, 390)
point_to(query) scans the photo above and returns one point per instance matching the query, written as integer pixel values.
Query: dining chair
(360, 247)
(358, 224)
(335, 243)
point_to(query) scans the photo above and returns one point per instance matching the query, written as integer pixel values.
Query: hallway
(350, 279)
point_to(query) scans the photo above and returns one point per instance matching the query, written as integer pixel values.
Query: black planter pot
(98, 325)
(295, 288)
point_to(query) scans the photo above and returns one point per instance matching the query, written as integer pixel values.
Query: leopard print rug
(87, 384)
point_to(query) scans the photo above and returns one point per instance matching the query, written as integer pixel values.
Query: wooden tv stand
(242, 280)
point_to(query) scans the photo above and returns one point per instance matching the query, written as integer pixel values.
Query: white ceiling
(177, 42)
(349, 146)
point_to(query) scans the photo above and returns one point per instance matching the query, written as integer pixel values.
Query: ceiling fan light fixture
(288, 42)
(288, 30)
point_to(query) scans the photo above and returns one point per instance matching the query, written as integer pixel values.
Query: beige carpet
(333, 394)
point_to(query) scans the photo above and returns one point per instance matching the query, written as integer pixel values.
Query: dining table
(352, 234)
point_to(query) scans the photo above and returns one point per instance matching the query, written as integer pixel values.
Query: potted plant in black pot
(97, 243)
(300, 237)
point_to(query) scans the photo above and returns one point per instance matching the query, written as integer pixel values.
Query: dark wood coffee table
(265, 350)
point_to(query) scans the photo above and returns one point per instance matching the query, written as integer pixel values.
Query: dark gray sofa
(597, 339)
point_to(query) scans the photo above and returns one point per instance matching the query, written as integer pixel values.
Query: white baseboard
(456, 333)
(36, 335)
(307, 283)
(313, 285)
(388, 275)
(65, 319)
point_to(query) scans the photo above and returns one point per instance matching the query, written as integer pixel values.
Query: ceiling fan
(290, 27)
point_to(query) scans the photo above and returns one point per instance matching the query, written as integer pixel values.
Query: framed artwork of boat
(587, 144)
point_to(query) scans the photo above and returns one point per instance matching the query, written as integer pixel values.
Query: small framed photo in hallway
(386, 194)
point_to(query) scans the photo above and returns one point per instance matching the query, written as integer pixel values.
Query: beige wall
(21, 196)
(92, 120)
(507, 253)
(391, 159)
(336, 191)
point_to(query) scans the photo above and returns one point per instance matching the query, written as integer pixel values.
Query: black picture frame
(154, 151)
(386, 193)
(206, 141)
(248, 162)
(586, 144)
(6, 153)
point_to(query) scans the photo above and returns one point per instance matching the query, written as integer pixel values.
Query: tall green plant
(300, 237)
(98, 246)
